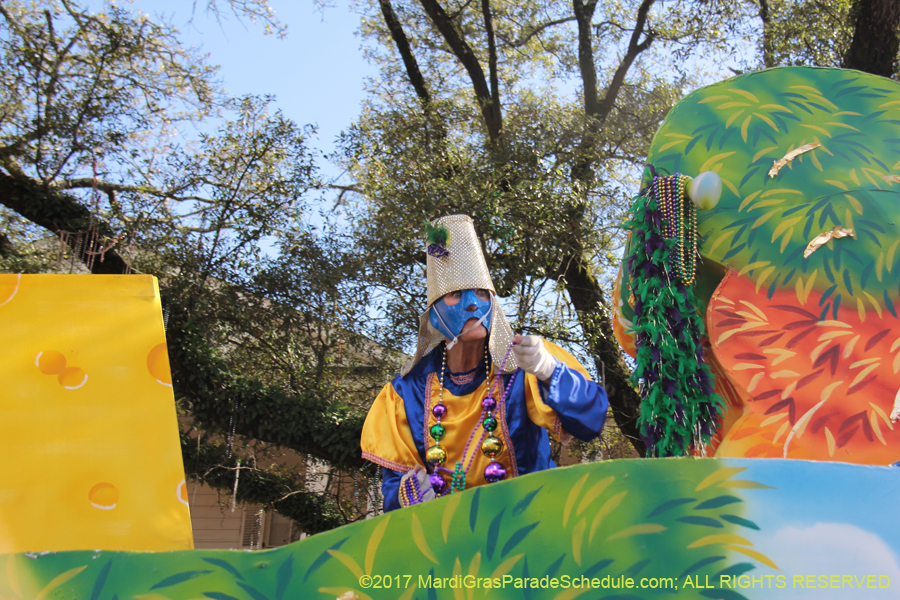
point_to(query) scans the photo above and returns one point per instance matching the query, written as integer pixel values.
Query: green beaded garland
(437, 432)
(490, 423)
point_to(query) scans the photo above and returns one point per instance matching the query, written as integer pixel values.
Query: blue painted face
(450, 312)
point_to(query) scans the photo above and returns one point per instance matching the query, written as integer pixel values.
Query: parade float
(763, 322)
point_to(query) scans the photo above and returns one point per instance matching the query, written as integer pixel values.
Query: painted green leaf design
(283, 577)
(636, 567)
(524, 502)
(736, 570)
(517, 538)
(493, 533)
(598, 566)
(700, 564)
(739, 521)
(224, 565)
(554, 566)
(101, 580)
(179, 578)
(254, 593)
(717, 502)
(668, 505)
(473, 512)
(323, 558)
(705, 521)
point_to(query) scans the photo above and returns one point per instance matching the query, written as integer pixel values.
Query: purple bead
(494, 472)
(489, 403)
(437, 483)
(439, 411)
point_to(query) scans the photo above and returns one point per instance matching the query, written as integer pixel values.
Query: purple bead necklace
(491, 445)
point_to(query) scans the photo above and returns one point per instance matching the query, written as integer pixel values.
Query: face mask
(450, 320)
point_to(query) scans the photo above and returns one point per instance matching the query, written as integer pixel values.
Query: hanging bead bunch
(679, 408)
(491, 446)
(680, 218)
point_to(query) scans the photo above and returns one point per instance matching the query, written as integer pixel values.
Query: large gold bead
(436, 455)
(491, 446)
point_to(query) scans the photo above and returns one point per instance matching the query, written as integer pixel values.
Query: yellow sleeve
(386, 437)
(539, 413)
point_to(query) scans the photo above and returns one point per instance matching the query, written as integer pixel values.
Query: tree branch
(635, 47)
(470, 63)
(403, 47)
(526, 37)
(58, 212)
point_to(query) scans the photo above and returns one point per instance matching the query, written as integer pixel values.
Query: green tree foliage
(114, 139)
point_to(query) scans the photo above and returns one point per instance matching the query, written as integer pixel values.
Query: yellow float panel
(88, 432)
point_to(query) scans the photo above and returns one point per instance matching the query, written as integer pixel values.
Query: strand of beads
(687, 238)
(491, 446)
(436, 455)
(680, 218)
(410, 493)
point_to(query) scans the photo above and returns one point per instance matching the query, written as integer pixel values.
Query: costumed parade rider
(475, 403)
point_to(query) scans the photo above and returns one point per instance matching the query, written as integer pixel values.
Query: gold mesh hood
(462, 269)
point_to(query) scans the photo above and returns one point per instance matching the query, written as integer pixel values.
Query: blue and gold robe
(395, 432)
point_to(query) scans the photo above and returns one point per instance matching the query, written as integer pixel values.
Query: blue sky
(317, 72)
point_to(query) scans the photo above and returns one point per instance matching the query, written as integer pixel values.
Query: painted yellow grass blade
(717, 476)
(753, 554)
(577, 539)
(596, 489)
(58, 581)
(372, 546)
(883, 415)
(719, 538)
(449, 509)
(506, 566)
(12, 575)
(474, 565)
(642, 529)
(573, 495)
(744, 484)
(708, 165)
(873, 420)
(347, 561)
(457, 574)
(408, 594)
(608, 506)
(829, 439)
(800, 425)
(419, 538)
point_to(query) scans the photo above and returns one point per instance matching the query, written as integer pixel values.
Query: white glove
(407, 489)
(534, 358)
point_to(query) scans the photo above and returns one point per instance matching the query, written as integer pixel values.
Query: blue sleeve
(579, 403)
(390, 488)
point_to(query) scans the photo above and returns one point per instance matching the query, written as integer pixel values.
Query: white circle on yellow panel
(72, 378)
(50, 362)
(103, 496)
(9, 285)
(181, 493)
(158, 364)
